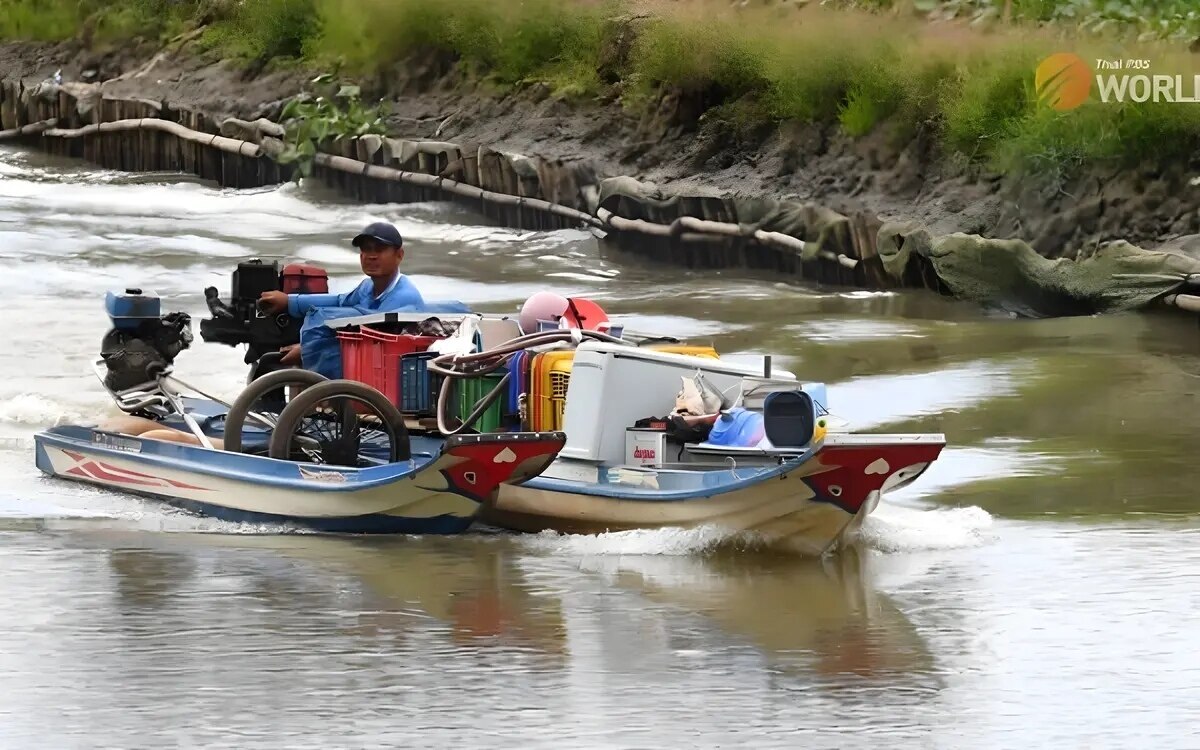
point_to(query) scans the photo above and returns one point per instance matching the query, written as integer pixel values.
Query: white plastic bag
(461, 342)
(698, 396)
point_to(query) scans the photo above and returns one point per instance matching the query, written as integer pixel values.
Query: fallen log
(686, 227)
(34, 128)
(219, 142)
(354, 166)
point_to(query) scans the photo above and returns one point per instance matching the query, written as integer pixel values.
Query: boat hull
(808, 502)
(439, 492)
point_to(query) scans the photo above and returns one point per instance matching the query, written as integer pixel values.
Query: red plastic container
(352, 347)
(302, 278)
(373, 357)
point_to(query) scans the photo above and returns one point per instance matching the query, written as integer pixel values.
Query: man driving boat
(380, 252)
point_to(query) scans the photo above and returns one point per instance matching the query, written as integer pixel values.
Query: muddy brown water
(1037, 588)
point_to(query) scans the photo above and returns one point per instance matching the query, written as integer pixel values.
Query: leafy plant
(312, 122)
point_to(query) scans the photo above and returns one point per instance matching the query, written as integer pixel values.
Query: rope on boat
(484, 362)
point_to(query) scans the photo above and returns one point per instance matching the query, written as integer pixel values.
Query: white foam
(573, 276)
(865, 294)
(20, 444)
(896, 528)
(88, 207)
(167, 520)
(40, 411)
(40, 279)
(43, 511)
(666, 541)
(32, 495)
(891, 529)
(149, 517)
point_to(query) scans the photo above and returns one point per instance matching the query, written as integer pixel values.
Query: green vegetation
(37, 21)
(312, 122)
(53, 20)
(1150, 19)
(509, 43)
(263, 30)
(968, 85)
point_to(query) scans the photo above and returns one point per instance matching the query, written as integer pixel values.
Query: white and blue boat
(805, 486)
(439, 489)
(351, 469)
(587, 453)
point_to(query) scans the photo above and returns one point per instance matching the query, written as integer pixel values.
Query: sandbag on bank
(1009, 274)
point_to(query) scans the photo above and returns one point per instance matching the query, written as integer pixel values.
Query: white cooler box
(645, 447)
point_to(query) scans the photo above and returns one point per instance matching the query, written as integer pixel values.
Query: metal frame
(162, 394)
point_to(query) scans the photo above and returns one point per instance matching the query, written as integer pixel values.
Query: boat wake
(100, 510)
(668, 541)
(891, 529)
(38, 410)
(30, 499)
(896, 528)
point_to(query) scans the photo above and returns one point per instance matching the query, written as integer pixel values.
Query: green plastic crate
(469, 391)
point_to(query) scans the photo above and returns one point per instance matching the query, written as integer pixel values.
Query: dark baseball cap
(380, 231)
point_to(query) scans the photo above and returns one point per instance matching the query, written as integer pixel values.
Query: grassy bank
(1148, 19)
(970, 88)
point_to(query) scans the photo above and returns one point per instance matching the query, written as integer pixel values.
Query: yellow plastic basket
(549, 377)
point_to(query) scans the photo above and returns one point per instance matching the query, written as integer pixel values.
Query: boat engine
(241, 322)
(142, 344)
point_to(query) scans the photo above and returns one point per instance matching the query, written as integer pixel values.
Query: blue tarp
(741, 428)
(319, 348)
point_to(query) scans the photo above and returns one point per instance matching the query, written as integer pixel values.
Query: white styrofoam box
(613, 386)
(645, 447)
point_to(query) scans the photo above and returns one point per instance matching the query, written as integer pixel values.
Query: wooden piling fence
(698, 231)
(132, 134)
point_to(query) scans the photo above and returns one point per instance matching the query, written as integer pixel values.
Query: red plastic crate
(351, 342)
(373, 357)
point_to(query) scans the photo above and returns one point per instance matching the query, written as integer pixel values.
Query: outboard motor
(241, 322)
(142, 344)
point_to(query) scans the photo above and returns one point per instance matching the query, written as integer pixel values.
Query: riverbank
(680, 177)
(817, 106)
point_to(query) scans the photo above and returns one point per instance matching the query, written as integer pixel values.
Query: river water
(1040, 586)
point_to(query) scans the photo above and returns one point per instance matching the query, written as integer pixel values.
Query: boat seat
(789, 418)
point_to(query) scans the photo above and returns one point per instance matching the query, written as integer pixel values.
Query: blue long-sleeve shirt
(400, 293)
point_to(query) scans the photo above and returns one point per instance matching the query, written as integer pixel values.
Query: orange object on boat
(585, 314)
(549, 377)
